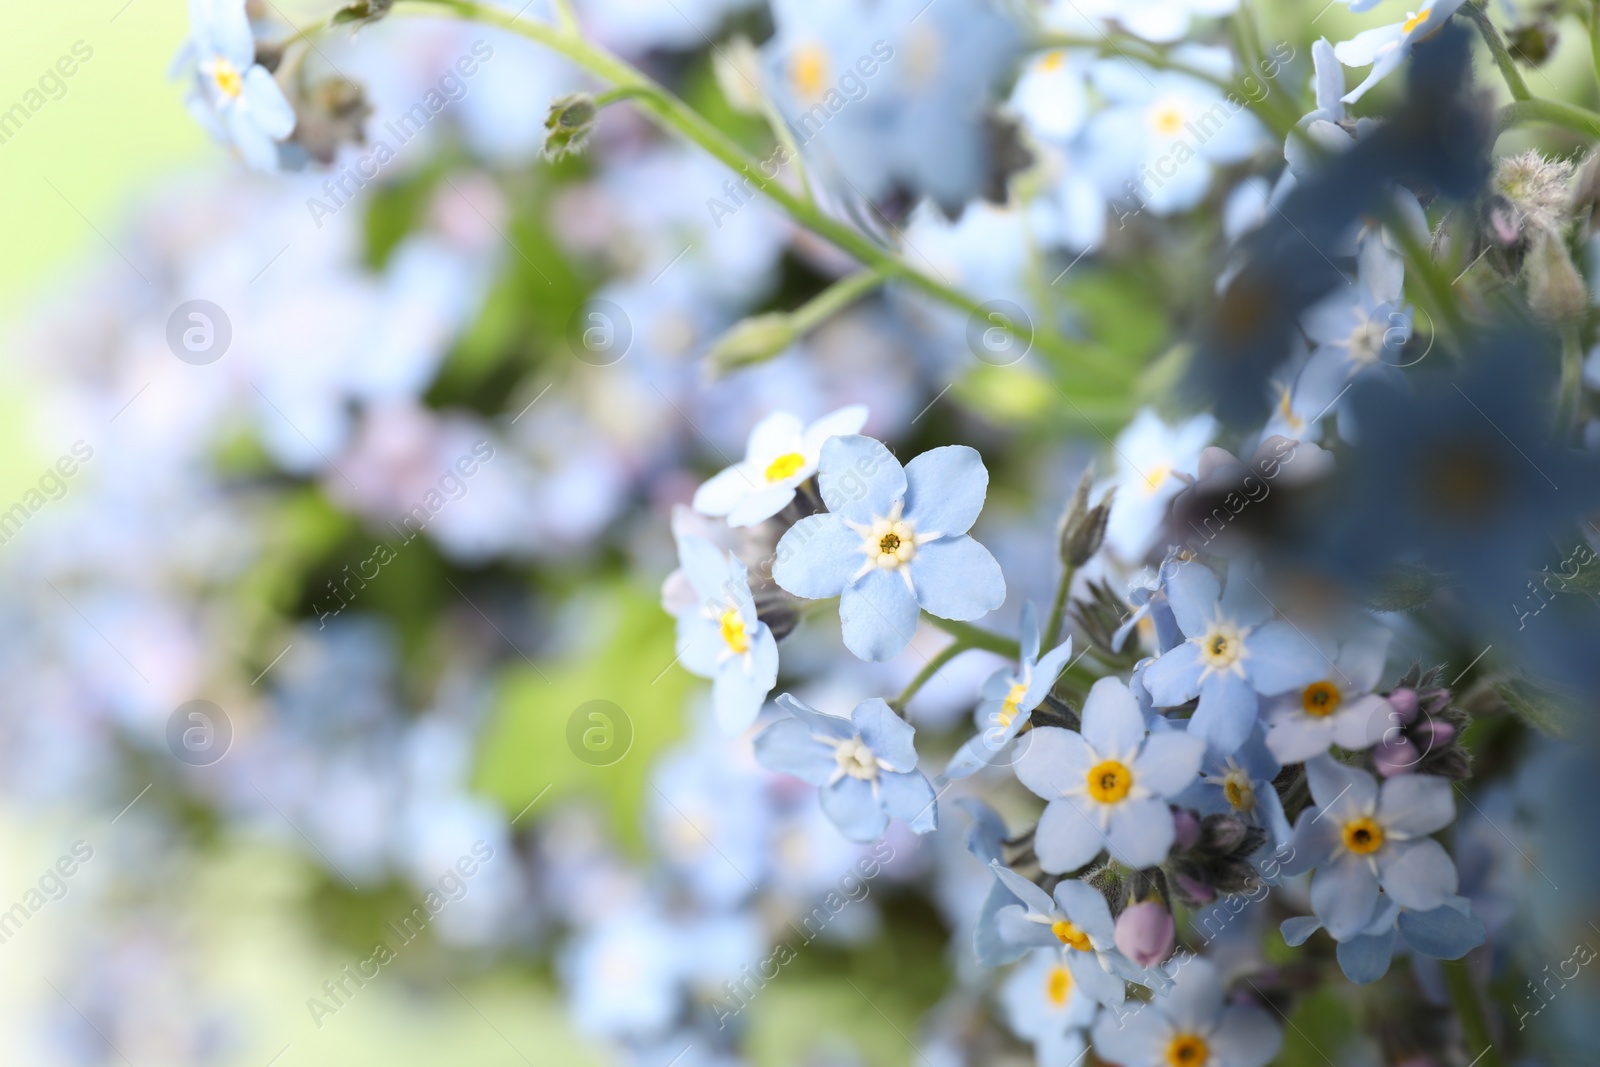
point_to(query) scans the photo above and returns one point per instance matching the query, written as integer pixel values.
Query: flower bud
(362, 11)
(1555, 291)
(1186, 829)
(1404, 703)
(755, 340)
(569, 124)
(1083, 529)
(1145, 933)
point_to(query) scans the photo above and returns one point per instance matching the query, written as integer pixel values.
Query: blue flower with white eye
(866, 766)
(720, 637)
(1240, 784)
(781, 453)
(1337, 709)
(1447, 932)
(1009, 697)
(1360, 839)
(1109, 786)
(1386, 47)
(1078, 923)
(1232, 654)
(1046, 1007)
(234, 97)
(894, 539)
(1191, 1025)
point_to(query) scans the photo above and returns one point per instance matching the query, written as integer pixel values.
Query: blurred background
(304, 622)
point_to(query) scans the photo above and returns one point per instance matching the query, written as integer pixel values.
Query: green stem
(1474, 10)
(977, 637)
(835, 298)
(1469, 1009)
(1420, 265)
(1058, 610)
(669, 111)
(565, 15)
(1538, 109)
(945, 655)
(1594, 37)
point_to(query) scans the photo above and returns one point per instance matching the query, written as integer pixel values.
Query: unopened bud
(1555, 291)
(1145, 933)
(362, 11)
(755, 340)
(1083, 529)
(1404, 703)
(569, 124)
(1186, 829)
(737, 66)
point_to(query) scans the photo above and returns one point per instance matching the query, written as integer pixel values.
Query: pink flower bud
(1404, 703)
(1145, 933)
(1395, 757)
(1196, 890)
(1186, 829)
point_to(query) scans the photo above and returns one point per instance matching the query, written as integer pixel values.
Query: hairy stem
(1058, 610)
(1554, 112)
(1469, 1009)
(1475, 10)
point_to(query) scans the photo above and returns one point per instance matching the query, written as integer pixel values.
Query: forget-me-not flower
(1189, 1026)
(1009, 697)
(1232, 654)
(1045, 1006)
(1386, 47)
(234, 97)
(1447, 932)
(894, 539)
(866, 766)
(1108, 787)
(1152, 455)
(1240, 784)
(1359, 838)
(720, 637)
(1337, 709)
(781, 454)
(1077, 922)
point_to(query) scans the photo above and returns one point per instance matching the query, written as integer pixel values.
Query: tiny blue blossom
(893, 539)
(1078, 923)
(1046, 1007)
(1338, 708)
(866, 766)
(234, 97)
(720, 636)
(1447, 932)
(1360, 839)
(1232, 654)
(1386, 47)
(1240, 784)
(1191, 1023)
(1009, 698)
(1109, 786)
(782, 453)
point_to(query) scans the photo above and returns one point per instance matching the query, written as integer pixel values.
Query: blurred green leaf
(1541, 708)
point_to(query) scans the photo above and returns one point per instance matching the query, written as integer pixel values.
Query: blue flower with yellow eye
(234, 97)
(720, 636)
(1009, 697)
(894, 539)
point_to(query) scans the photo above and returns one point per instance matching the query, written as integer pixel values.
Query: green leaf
(1543, 709)
(1406, 586)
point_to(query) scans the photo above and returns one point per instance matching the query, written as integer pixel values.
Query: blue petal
(1168, 762)
(976, 753)
(1417, 804)
(1045, 674)
(1141, 832)
(1226, 713)
(1174, 678)
(1096, 983)
(957, 578)
(991, 949)
(1312, 842)
(1338, 789)
(1280, 658)
(788, 748)
(1036, 900)
(1055, 761)
(850, 805)
(1112, 721)
(1195, 1000)
(1028, 634)
(1345, 894)
(699, 644)
(1193, 590)
(987, 832)
(1066, 839)
(741, 686)
(911, 799)
(1444, 933)
(1419, 875)
(859, 478)
(1088, 910)
(945, 488)
(1016, 928)
(1243, 601)
(1296, 930)
(1366, 958)
(817, 557)
(878, 615)
(834, 726)
(888, 735)
(1248, 1037)
(269, 109)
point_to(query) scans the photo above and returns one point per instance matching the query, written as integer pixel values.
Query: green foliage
(1539, 707)
(1405, 587)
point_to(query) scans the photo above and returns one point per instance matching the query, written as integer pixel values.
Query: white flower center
(1236, 787)
(856, 760)
(1222, 646)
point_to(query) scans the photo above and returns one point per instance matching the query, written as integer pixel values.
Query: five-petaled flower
(234, 97)
(720, 637)
(1009, 697)
(1078, 922)
(1189, 1026)
(780, 455)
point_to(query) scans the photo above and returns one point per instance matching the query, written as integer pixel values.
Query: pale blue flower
(1338, 708)
(781, 454)
(1009, 698)
(1240, 784)
(1189, 1024)
(1386, 47)
(1151, 457)
(1232, 654)
(720, 636)
(234, 97)
(1447, 932)
(1109, 786)
(866, 766)
(1360, 838)
(1077, 923)
(1045, 1006)
(894, 539)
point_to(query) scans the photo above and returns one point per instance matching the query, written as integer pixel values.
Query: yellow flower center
(785, 466)
(1415, 20)
(226, 77)
(808, 71)
(1188, 1050)
(1240, 793)
(1321, 699)
(1058, 985)
(1053, 61)
(1157, 476)
(733, 634)
(1166, 118)
(1363, 836)
(1068, 934)
(1109, 781)
(1008, 710)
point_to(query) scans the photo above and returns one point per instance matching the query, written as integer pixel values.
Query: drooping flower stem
(944, 655)
(1554, 112)
(671, 112)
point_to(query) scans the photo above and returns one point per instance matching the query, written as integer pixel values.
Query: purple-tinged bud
(1186, 829)
(1395, 757)
(1404, 703)
(1438, 732)
(1145, 933)
(1196, 890)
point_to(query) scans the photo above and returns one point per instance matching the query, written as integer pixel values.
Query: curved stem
(977, 637)
(1594, 37)
(1052, 628)
(835, 298)
(1554, 112)
(1474, 10)
(945, 655)
(672, 112)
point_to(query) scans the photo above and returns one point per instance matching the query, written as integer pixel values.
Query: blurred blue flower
(1386, 47)
(1447, 932)
(1109, 786)
(781, 454)
(234, 97)
(866, 766)
(722, 638)
(1044, 1005)
(894, 539)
